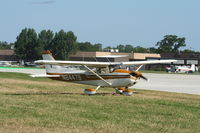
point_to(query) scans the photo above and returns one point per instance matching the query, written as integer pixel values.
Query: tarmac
(179, 83)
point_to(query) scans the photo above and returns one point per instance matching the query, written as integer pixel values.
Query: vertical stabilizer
(193, 67)
(47, 55)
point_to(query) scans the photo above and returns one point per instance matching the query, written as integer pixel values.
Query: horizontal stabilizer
(44, 75)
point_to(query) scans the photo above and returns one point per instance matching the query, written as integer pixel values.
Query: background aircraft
(7, 63)
(182, 69)
(100, 74)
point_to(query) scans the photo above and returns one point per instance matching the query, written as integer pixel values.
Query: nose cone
(138, 75)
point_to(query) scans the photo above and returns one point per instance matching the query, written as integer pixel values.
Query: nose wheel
(124, 91)
(120, 90)
(128, 92)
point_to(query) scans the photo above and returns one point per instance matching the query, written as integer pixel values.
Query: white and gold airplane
(99, 74)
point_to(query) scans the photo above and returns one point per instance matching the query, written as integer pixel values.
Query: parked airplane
(7, 63)
(182, 69)
(100, 74)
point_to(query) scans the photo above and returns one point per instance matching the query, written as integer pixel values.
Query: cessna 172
(100, 74)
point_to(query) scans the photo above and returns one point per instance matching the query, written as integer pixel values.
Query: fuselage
(115, 79)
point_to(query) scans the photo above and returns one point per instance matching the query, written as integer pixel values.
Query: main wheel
(90, 91)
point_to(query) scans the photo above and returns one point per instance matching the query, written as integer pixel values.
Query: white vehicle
(100, 74)
(182, 69)
(186, 69)
(7, 63)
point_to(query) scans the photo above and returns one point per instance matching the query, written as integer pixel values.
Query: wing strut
(97, 75)
(139, 68)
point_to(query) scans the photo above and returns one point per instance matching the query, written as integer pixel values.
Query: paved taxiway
(180, 83)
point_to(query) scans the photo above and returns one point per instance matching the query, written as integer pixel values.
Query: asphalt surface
(180, 83)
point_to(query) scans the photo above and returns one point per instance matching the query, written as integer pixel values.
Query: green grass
(42, 105)
(19, 67)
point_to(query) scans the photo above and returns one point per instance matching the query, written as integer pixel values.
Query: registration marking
(72, 77)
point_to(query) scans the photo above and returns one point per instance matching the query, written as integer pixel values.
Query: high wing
(101, 64)
(147, 62)
(58, 62)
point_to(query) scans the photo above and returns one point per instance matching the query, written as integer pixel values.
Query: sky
(109, 22)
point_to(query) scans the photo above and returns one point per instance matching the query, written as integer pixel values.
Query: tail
(47, 55)
(193, 68)
(50, 69)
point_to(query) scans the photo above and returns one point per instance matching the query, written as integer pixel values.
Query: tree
(188, 51)
(171, 43)
(4, 45)
(26, 46)
(140, 49)
(44, 41)
(121, 48)
(97, 47)
(153, 50)
(87, 46)
(63, 44)
(45, 38)
(128, 48)
(84, 46)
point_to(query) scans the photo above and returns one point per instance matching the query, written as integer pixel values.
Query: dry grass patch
(33, 105)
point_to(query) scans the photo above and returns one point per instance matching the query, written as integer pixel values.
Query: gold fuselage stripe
(85, 77)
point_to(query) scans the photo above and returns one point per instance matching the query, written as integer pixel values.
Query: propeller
(138, 74)
(144, 78)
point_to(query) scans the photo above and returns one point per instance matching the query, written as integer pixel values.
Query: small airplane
(100, 74)
(182, 69)
(7, 63)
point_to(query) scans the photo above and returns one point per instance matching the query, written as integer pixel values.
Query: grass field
(19, 67)
(40, 105)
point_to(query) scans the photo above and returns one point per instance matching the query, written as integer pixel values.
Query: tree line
(5, 45)
(29, 45)
(170, 43)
